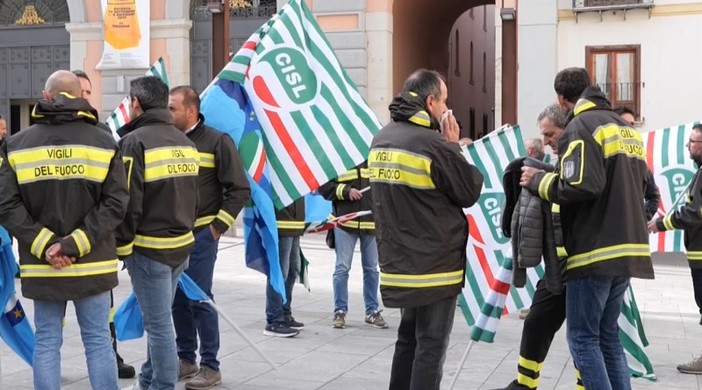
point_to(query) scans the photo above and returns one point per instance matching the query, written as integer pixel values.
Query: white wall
(671, 51)
(537, 61)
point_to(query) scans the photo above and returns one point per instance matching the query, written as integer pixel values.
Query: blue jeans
(422, 341)
(154, 284)
(345, 243)
(195, 318)
(93, 313)
(593, 306)
(289, 250)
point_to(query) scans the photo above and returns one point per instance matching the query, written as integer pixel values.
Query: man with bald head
(66, 241)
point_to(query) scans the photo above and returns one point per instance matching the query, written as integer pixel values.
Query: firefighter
(64, 191)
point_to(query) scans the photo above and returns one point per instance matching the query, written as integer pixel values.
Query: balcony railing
(610, 5)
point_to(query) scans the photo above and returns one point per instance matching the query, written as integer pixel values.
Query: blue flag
(316, 208)
(191, 289)
(129, 320)
(15, 329)
(227, 108)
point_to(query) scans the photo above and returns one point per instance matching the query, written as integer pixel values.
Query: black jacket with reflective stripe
(63, 180)
(600, 188)
(689, 219)
(291, 219)
(162, 168)
(338, 190)
(224, 188)
(420, 185)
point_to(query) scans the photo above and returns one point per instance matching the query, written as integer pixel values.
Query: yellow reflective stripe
(225, 217)
(60, 163)
(668, 222)
(421, 118)
(351, 174)
(169, 162)
(694, 255)
(365, 173)
(577, 374)
(421, 281)
(111, 318)
(125, 250)
(82, 242)
(555, 208)
(164, 242)
(293, 225)
(582, 105)
(206, 220)
(527, 381)
(530, 364)
(340, 191)
(73, 270)
(608, 253)
(545, 185)
(615, 139)
(128, 165)
(207, 160)
(40, 242)
(1, 160)
(561, 251)
(395, 166)
(353, 224)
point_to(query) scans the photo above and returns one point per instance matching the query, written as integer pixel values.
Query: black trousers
(545, 318)
(697, 286)
(422, 341)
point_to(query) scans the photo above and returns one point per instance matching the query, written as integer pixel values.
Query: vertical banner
(126, 28)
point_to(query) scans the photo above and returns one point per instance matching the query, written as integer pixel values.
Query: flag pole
(242, 334)
(460, 365)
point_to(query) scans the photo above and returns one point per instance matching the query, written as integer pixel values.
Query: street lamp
(508, 14)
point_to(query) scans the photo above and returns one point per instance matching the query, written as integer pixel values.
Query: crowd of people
(159, 200)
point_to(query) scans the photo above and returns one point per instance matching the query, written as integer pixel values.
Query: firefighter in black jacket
(124, 370)
(291, 226)
(157, 233)
(346, 195)
(688, 219)
(64, 191)
(421, 182)
(602, 174)
(224, 190)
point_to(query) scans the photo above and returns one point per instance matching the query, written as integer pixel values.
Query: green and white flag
(315, 123)
(120, 116)
(672, 168)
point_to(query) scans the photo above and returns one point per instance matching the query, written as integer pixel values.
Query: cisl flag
(672, 168)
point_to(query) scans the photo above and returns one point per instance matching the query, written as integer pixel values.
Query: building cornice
(656, 11)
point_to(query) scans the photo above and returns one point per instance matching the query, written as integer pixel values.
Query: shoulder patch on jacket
(573, 164)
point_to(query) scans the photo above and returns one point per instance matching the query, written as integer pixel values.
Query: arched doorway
(33, 44)
(439, 35)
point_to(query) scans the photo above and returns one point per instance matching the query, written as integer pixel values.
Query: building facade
(642, 53)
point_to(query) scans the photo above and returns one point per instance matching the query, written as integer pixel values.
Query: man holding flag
(421, 182)
(689, 220)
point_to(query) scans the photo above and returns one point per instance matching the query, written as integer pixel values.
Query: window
(472, 79)
(484, 72)
(617, 71)
(457, 54)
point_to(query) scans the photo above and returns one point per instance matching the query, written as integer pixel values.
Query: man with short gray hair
(535, 148)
